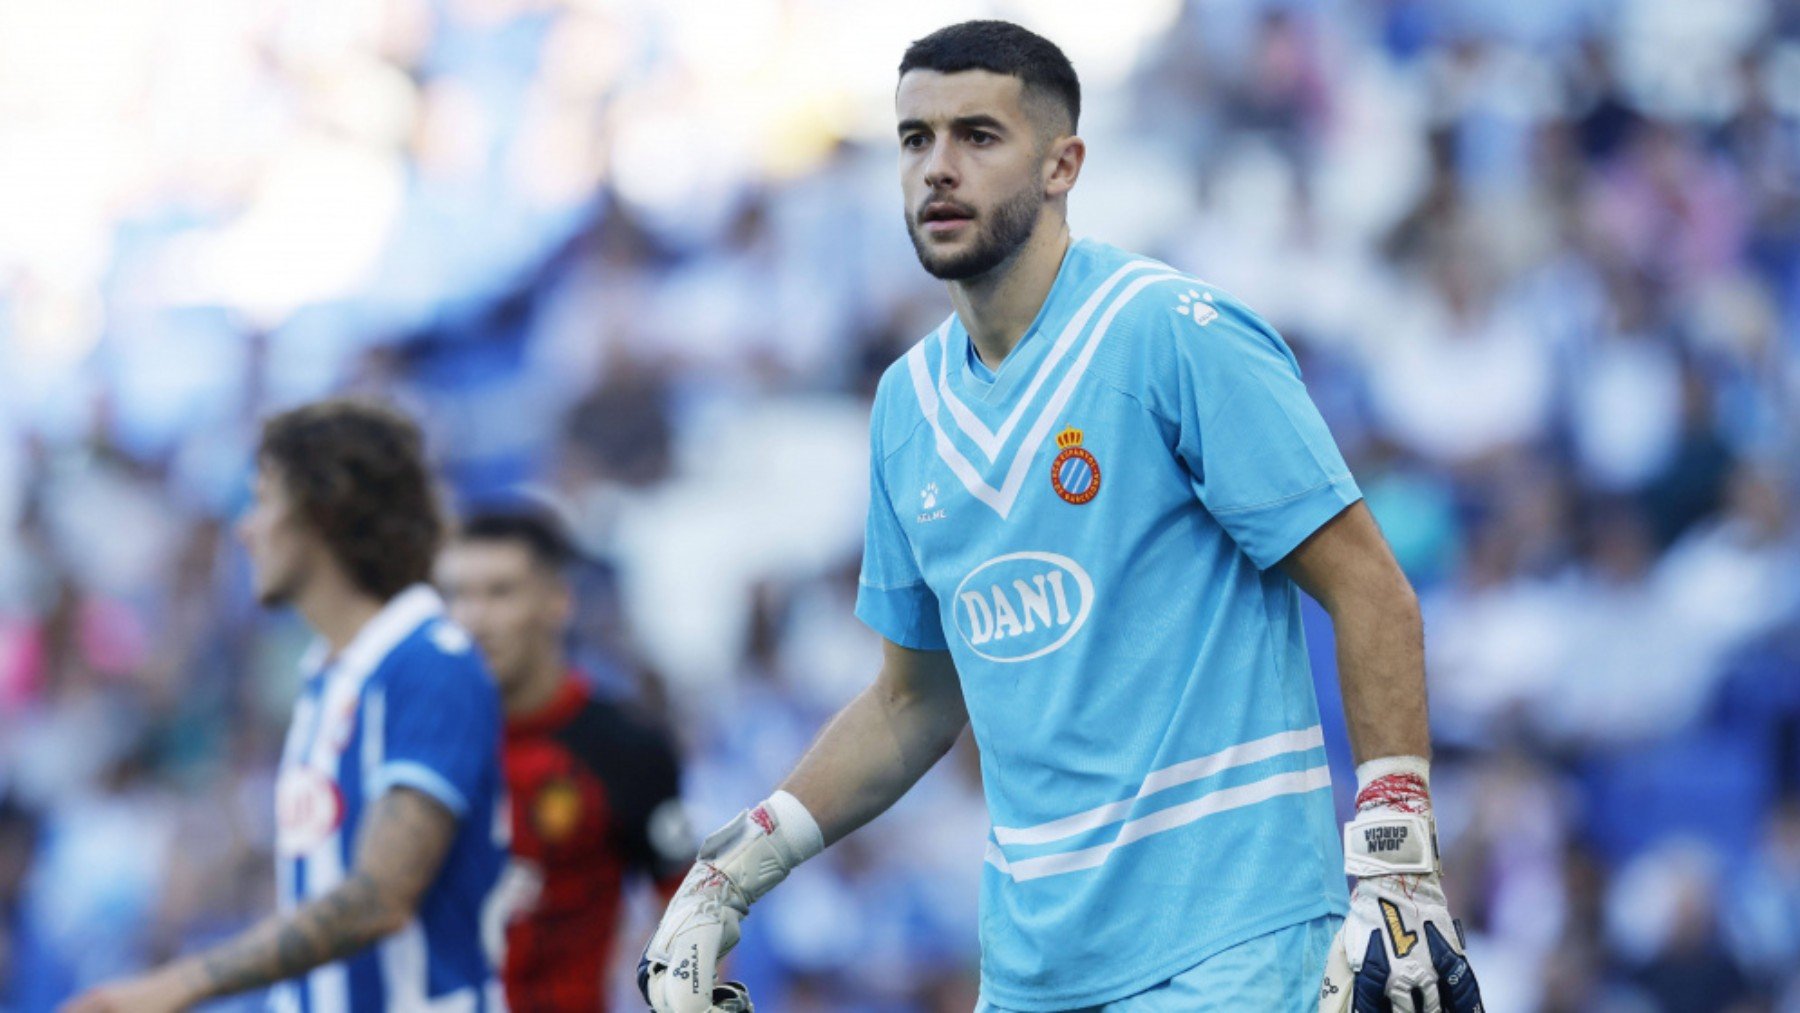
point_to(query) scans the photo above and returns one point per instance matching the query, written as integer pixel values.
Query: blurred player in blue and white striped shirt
(391, 827)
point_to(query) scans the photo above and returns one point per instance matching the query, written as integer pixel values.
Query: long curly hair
(357, 471)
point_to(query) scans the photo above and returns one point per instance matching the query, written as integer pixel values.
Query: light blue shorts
(1277, 973)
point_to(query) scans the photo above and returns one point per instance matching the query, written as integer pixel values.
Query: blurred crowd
(1540, 261)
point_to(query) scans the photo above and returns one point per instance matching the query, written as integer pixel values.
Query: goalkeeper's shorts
(1278, 972)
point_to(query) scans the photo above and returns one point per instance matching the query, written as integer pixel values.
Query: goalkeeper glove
(738, 864)
(1398, 950)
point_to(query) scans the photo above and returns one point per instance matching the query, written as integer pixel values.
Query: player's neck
(999, 306)
(539, 686)
(336, 609)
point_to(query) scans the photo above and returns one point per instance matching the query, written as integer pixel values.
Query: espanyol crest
(1022, 605)
(1075, 474)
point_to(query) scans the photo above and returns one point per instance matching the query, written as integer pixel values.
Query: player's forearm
(867, 756)
(399, 850)
(344, 921)
(1381, 670)
(871, 753)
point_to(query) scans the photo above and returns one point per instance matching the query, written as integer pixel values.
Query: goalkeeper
(1096, 493)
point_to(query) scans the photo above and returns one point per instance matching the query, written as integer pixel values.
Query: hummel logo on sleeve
(1200, 312)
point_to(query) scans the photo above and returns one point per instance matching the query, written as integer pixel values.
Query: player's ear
(1062, 164)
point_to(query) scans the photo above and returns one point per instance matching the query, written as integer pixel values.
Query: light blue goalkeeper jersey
(1091, 533)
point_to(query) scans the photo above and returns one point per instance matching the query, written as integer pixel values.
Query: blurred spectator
(1763, 913)
(1662, 915)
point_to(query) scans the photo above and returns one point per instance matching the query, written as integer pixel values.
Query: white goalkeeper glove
(1399, 951)
(738, 864)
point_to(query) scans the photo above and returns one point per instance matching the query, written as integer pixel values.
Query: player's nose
(940, 167)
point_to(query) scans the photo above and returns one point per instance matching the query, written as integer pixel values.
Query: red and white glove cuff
(1394, 782)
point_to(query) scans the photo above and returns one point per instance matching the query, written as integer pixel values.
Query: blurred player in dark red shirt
(595, 789)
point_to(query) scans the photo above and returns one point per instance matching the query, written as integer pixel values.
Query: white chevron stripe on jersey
(1040, 430)
(1002, 499)
(992, 442)
(1297, 782)
(959, 465)
(1185, 772)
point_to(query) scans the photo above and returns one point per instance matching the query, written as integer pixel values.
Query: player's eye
(982, 138)
(913, 142)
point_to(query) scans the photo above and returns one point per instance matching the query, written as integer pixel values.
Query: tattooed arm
(399, 850)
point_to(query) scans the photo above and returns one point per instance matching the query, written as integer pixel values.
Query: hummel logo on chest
(928, 508)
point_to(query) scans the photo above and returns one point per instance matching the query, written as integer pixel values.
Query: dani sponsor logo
(1022, 605)
(309, 808)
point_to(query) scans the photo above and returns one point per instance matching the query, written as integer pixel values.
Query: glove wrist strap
(794, 825)
(1389, 843)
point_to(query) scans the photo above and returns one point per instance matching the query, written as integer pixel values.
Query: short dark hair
(1000, 47)
(356, 470)
(534, 526)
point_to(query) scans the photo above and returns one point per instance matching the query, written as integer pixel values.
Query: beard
(1000, 235)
